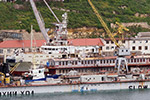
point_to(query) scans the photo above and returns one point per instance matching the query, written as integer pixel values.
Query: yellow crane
(112, 36)
(120, 51)
(13, 69)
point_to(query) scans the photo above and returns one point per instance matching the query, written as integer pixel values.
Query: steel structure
(51, 11)
(40, 23)
(120, 51)
(103, 24)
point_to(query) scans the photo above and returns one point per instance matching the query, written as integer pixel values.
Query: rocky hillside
(19, 15)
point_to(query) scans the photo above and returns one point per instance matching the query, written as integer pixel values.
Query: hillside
(19, 15)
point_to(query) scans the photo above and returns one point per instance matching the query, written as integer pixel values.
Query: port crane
(40, 22)
(120, 51)
(61, 27)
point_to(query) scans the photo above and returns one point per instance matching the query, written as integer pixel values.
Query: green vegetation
(80, 13)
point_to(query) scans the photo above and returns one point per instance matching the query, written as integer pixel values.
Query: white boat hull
(54, 88)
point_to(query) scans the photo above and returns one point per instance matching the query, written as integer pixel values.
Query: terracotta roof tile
(26, 43)
(19, 43)
(86, 42)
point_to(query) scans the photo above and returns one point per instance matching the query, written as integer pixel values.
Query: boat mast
(31, 37)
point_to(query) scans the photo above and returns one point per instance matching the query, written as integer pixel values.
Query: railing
(101, 62)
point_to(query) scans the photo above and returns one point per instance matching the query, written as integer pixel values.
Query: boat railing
(101, 62)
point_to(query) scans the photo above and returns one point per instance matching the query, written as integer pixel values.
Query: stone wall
(141, 24)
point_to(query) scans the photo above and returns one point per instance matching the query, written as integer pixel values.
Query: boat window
(101, 61)
(140, 60)
(88, 62)
(134, 60)
(85, 61)
(56, 48)
(102, 78)
(53, 49)
(143, 60)
(39, 71)
(85, 70)
(95, 61)
(104, 61)
(66, 62)
(107, 61)
(75, 62)
(82, 62)
(91, 61)
(131, 60)
(45, 48)
(63, 63)
(137, 60)
(59, 63)
(59, 71)
(49, 48)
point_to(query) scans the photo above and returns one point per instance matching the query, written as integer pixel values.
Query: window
(146, 48)
(112, 47)
(49, 48)
(107, 42)
(107, 48)
(133, 41)
(1, 50)
(133, 48)
(123, 41)
(112, 42)
(59, 63)
(102, 78)
(146, 41)
(45, 48)
(140, 48)
(8, 50)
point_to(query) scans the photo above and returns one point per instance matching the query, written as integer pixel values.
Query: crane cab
(122, 52)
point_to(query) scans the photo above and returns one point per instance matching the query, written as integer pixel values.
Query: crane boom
(51, 11)
(103, 24)
(40, 23)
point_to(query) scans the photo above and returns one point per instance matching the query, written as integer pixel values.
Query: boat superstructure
(76, 82)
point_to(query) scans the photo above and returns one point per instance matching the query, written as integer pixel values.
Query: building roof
(20, 43)
(27, 44)
(143, 34)
(86, 42)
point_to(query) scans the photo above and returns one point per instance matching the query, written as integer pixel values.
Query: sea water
(103, 95)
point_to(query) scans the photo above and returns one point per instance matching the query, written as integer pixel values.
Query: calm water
(105, 95)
